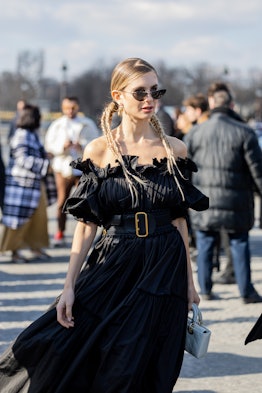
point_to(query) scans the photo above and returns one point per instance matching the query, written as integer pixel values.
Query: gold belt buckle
(137, 224)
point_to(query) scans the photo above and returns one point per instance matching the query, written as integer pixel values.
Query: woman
(24, 209)
(122, 320)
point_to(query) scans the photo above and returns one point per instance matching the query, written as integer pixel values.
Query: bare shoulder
(95, 150)
(178, 146)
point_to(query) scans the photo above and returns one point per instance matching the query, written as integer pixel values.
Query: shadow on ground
(219, 365)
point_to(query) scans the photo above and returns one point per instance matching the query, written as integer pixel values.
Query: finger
(61, 317)
(64, 322)
(69, 316)
(197, 300)
(59, 312)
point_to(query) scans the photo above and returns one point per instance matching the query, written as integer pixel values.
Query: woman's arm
(193, 297)
(180, 150)
(83, 238)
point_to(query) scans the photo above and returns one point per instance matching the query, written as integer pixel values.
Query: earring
(120, 109)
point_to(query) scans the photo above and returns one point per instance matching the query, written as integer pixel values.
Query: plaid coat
(27, 166)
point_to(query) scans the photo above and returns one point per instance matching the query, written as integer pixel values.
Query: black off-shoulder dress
(130, 308)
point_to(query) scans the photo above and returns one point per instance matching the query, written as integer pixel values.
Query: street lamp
(63, 86)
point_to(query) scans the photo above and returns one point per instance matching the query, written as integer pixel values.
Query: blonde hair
(122, 75)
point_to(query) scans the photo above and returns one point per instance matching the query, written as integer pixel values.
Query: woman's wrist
(69, 284)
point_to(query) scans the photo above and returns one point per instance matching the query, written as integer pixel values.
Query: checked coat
(27, 167)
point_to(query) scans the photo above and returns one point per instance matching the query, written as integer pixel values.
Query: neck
(135, 130)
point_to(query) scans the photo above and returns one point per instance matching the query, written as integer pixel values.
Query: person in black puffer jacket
(229, 161)
(2, 179)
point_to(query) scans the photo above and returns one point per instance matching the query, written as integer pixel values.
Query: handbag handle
(197, 315)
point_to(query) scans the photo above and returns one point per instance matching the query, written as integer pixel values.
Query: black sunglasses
(140, 95)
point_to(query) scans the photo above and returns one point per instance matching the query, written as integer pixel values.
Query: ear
(116, 96)
(211, 102)
(198, 112)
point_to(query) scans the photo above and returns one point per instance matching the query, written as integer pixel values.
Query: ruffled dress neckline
(131, 161)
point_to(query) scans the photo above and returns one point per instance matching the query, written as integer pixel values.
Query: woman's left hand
(64, 308)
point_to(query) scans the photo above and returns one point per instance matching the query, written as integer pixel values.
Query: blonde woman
(121, 319)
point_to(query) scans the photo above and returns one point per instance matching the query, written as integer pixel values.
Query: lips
(147, 108)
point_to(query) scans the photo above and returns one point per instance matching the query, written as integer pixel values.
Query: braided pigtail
(106, 120)
(171, 161)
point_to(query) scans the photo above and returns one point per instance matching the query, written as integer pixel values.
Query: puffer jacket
(229, 161)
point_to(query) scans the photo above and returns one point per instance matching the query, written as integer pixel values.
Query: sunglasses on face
(140, 95)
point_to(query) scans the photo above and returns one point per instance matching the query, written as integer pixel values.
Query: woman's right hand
(64, 308)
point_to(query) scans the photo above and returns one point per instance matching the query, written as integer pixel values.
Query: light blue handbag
(197, 335)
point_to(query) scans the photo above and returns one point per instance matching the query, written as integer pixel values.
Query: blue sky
(178, 32)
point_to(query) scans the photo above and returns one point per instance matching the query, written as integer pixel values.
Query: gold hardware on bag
(190, 328)
(144, 215)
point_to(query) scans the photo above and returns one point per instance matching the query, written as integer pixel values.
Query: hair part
(128, 70)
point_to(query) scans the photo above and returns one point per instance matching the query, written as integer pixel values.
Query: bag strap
(197, 315)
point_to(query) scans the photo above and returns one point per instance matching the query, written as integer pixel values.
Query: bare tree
(92, 87)
(14, 87)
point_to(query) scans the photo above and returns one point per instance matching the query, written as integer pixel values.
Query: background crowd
(224, 147)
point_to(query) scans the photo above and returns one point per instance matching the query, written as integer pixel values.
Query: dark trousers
(240, 252)
(64, 186)
(260, 216)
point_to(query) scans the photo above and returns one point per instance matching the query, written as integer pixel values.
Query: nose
(148, 95)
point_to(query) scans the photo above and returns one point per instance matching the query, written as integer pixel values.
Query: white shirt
(80, 130)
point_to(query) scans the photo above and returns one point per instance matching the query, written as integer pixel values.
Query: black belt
(140, 224)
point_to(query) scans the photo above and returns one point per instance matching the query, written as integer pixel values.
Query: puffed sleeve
(83, 204)
(193, 197)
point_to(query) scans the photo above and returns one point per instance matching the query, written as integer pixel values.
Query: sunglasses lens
(158, 94)
(139, 95)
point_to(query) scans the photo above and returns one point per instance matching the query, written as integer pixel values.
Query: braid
(171, 161)
(106, 119)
